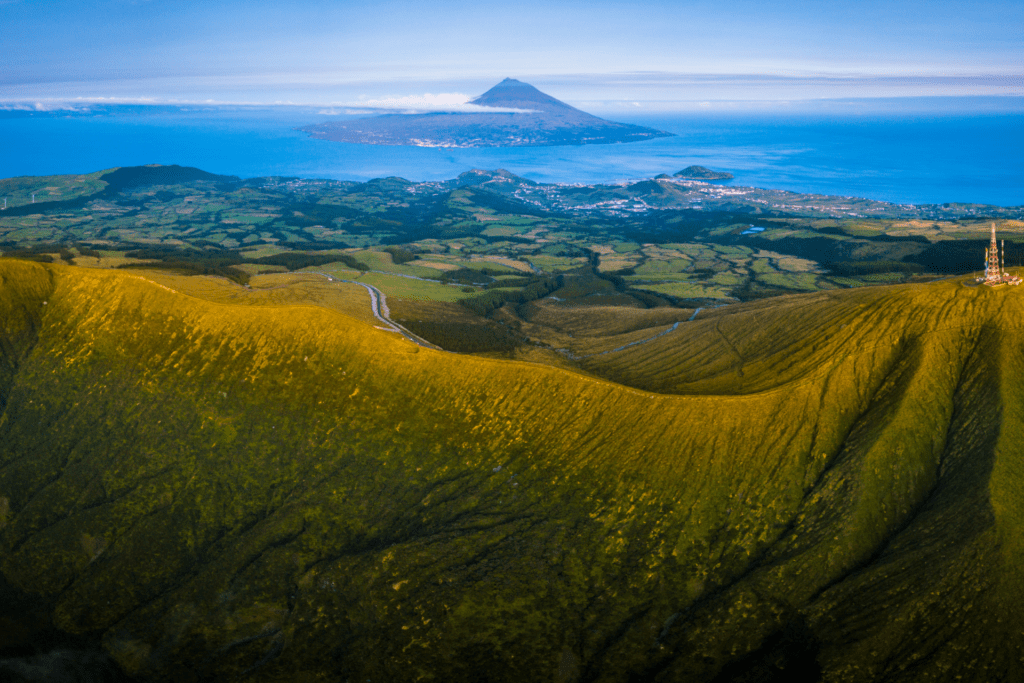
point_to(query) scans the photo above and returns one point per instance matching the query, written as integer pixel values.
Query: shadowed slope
(287, 492)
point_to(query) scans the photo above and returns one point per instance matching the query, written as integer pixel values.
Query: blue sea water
(906, 158)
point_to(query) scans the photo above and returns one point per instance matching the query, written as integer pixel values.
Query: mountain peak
(514, 94)
(541, 121)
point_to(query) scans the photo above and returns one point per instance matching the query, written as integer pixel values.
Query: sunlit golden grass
(272, 289)
(841, 465)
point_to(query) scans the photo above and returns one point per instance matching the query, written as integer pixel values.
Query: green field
(209, 224)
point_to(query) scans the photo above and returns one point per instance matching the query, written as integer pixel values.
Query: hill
(107, 185)
(827, 487)
(702, 173)
(527, 118)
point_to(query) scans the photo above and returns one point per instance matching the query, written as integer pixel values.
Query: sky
(604, 55)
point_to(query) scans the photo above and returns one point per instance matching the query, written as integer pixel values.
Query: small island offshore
(702, 173)
(523, 117)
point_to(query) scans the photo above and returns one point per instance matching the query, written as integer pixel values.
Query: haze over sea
(928, 156)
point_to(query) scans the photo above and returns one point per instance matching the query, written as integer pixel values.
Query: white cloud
(37, 106)
(412, 104)
(76, 104)
(409, 104)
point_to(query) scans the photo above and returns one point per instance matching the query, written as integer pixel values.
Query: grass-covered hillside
(821, 487)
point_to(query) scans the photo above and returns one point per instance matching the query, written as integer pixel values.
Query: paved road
(379, 308)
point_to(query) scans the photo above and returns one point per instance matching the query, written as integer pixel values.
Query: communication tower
(995, 260)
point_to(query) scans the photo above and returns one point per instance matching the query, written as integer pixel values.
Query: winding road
(379, 308)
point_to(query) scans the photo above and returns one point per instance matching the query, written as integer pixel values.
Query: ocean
(919, 158)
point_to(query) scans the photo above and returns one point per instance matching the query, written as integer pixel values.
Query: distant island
(539, 120)
(702, 173)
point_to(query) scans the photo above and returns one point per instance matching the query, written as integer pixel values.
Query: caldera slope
(819, 487)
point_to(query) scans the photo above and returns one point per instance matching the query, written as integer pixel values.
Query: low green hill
(828, 487)
(703, 173)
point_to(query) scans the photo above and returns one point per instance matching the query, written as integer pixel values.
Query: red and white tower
(995, 274)
(995, 271)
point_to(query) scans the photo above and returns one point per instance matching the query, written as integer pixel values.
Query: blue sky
(606, 55)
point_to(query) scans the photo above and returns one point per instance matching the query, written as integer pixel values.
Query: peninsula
(523, 117)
